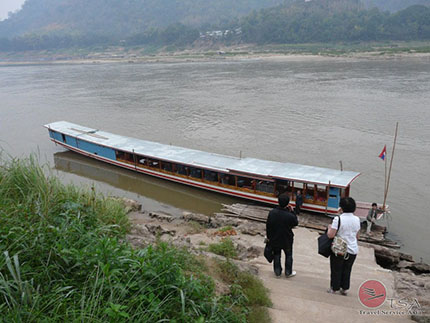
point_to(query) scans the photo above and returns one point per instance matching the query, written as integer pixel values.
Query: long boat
(248, 178)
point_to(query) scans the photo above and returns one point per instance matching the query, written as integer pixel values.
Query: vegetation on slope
(63, 258)
(53, 24)
(122, 18)
(394, 5)
(334, 21)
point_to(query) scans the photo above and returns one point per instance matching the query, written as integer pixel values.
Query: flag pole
(385, 180)
(391, 165)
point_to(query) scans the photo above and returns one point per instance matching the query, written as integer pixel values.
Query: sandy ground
(120, 57)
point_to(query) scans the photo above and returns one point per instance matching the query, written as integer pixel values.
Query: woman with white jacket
(346, 226)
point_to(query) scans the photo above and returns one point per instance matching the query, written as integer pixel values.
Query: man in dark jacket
(299, 202)
(278, 230)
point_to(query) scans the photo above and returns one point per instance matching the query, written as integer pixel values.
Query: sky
(9, 5)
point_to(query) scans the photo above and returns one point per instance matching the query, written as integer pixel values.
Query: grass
(63, 258)
(256, 295)
(224, 248)
(225, 229)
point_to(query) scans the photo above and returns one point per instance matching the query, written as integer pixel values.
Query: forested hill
(394, 5)
(334, 21)
(122, 17)
(50, 24)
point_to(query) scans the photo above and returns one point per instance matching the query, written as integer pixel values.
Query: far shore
(135, 56)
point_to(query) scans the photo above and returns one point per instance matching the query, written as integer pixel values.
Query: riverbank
(300, 298)
(134, 55)
(81, 241)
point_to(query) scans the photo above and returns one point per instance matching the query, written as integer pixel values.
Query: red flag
(383, 153)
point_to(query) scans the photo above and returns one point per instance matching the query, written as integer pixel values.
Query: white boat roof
(201, 159)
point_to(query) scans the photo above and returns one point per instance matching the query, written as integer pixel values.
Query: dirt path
(303, 298)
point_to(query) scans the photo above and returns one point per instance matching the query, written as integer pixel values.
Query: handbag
(339, 246)
(268, 252)
(324, 245)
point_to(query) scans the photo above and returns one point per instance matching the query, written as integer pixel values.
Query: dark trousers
(340, 271)
(297, 209)
(277, 268)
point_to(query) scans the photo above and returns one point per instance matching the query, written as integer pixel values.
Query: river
(307, 110)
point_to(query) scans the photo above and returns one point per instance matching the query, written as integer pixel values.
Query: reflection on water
(152, 191)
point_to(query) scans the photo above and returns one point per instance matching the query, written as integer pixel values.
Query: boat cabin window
(195, 172)
(290, 188)
(245, 182)
(211, 176)
(227, 179)
(282, 186)
(141, 161)
(343, 192)
(166, 166)
(321, 193)
(63, 137)
(153, 163)
(309, 191)
(181, 170)
(298, 186)
(119, 154)
(265, 186)
(124, 156)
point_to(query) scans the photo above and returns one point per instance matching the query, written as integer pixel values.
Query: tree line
(53, 41)
(310, 23)
(296, 22)
(393, 5)
(176, 34)
(123, 18)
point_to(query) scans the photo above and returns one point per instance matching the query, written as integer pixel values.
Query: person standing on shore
(279, 224)
(299, 202)
(348, 229)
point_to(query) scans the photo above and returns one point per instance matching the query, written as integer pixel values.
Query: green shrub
(225, 229)
(224, 248)
(63, 258)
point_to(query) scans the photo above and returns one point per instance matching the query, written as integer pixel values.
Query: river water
(315, 111)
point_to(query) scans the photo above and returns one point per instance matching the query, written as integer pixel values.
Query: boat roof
(201, 159)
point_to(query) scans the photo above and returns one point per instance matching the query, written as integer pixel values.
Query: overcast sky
(9, 5)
